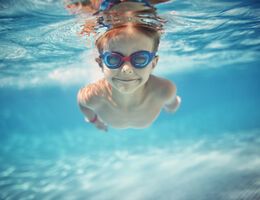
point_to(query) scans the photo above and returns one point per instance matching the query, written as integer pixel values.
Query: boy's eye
(140, 59)
(113, 60)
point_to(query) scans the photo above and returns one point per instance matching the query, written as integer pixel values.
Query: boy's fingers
(102, 127)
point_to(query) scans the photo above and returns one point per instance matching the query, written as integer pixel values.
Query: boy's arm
(84, 102)
(173, 101)
(89, 114)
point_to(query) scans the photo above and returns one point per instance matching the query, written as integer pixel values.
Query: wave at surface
(39, 37)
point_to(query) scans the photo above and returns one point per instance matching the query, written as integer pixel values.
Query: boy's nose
(127, 68)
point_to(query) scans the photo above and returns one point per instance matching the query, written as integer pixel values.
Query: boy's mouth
(125, 80)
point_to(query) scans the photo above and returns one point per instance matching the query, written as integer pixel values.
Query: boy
(128, 96)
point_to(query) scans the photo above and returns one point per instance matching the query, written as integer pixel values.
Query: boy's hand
(98, 123)
(101, 125)
(173, 105)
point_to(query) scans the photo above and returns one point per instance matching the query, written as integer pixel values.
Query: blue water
(209, 149)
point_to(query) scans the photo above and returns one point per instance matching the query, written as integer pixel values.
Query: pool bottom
(225, 167)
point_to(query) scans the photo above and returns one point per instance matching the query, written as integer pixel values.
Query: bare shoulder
(163, 88)
(91, 94)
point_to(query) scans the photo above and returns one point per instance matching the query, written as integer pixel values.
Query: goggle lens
(112, 60)
(138, 59)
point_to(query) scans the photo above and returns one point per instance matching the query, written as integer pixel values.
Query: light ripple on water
(201, 170)
(44, 37)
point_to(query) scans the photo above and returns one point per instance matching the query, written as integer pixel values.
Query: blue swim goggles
(139, 59)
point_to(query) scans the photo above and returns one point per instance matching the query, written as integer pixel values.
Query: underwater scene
(209, 149)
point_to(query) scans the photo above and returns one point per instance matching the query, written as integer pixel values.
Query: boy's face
(127, 78)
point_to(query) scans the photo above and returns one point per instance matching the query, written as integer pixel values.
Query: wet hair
(122, 30)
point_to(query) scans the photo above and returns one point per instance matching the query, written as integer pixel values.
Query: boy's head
(128, 30)
(127, 56)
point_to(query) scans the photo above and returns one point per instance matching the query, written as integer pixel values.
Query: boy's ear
(99, 61)
(155, 61)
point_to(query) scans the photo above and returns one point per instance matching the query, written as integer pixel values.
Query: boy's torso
(138, 116)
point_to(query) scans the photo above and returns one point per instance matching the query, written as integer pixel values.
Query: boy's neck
(129, 100)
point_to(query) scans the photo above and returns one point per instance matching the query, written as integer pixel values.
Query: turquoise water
(209, 149)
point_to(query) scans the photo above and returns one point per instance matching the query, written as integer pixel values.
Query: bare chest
(135, 117)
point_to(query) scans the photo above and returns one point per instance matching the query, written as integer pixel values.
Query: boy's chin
(126, 90)
(127, 87)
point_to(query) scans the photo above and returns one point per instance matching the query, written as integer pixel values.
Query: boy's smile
(125, 80)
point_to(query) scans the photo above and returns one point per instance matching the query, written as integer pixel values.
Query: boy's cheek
(108, 74)
(106, 71)
(154, 63)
